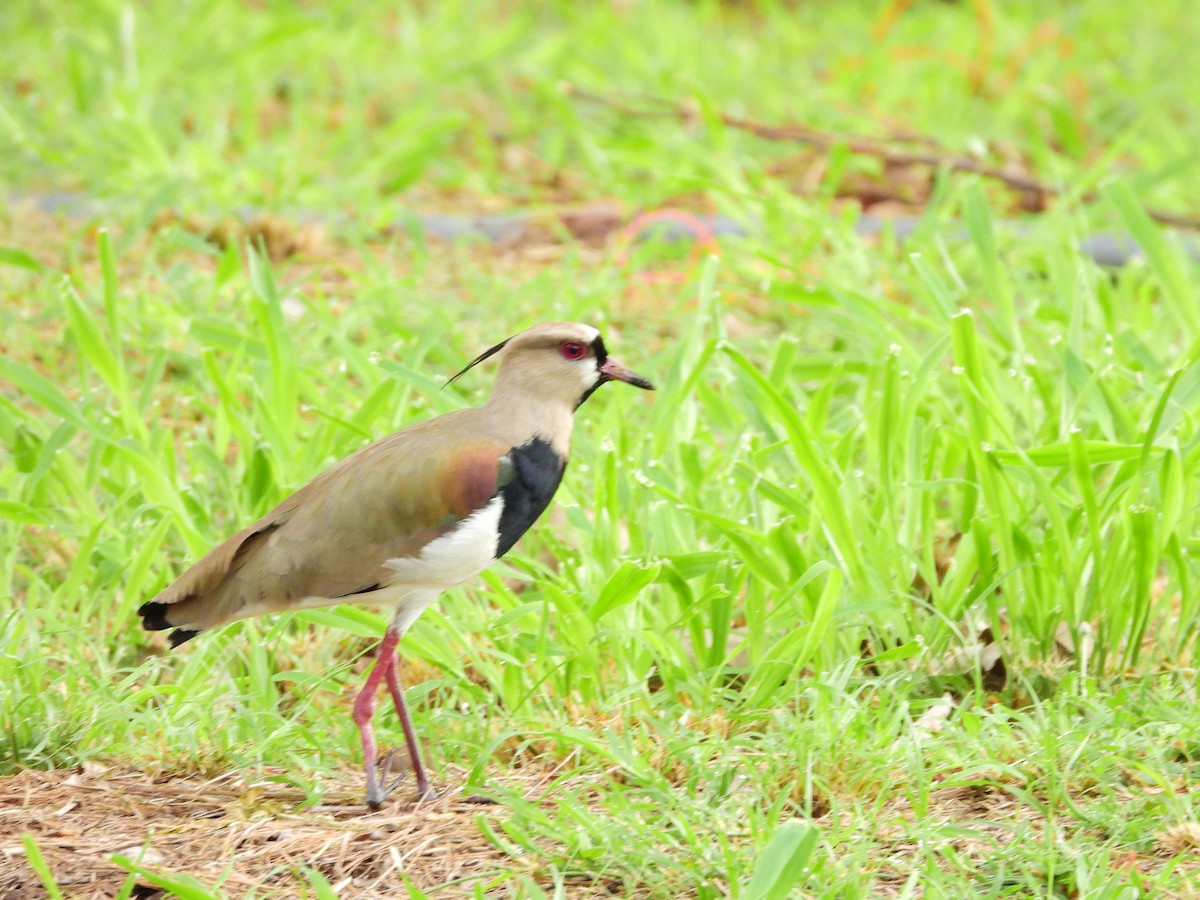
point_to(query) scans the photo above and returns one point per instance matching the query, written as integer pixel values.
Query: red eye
(572, 350)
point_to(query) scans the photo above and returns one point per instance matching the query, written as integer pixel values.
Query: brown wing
(332, 537)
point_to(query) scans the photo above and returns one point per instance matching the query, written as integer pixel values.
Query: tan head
(557, 362)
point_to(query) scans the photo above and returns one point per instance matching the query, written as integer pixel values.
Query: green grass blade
(782, 865)
(37, 862)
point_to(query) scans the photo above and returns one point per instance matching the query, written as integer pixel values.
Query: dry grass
(257, 835)
(242, 835)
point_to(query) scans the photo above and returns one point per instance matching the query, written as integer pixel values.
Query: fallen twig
(657, 107)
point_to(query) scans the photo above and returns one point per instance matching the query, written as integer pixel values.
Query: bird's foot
(378, 788)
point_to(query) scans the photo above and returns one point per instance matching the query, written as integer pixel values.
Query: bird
(407, 517)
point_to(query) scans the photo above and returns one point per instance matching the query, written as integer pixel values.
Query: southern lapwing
(408, 516)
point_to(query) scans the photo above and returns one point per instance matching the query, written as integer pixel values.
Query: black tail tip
(154, 618)
(180, 635)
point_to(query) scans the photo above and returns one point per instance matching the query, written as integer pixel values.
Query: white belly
(454, 557)
(444, 562)
(451, 559)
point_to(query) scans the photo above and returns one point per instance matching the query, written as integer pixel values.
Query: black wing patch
(536, 473)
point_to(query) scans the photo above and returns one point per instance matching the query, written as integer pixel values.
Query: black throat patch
(601, 356)
(537, 471)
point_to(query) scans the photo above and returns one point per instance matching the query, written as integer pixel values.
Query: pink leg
(364, 708)
(424, 791)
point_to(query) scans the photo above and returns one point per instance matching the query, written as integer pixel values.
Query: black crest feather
(491, 351)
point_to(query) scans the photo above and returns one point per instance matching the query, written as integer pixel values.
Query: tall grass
(727, 557)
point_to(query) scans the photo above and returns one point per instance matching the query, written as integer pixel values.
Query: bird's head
(562, 362)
